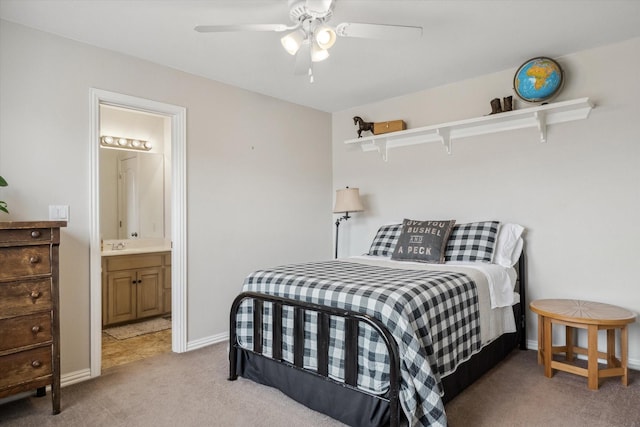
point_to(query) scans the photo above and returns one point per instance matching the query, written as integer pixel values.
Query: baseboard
(75, 377)
(65, 380)
(85, 374)
(17, 396)
(632, 363)
(206, 341)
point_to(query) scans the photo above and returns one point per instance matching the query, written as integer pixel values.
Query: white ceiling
(461, 39)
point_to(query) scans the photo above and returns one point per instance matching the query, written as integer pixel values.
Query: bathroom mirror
(131, 194)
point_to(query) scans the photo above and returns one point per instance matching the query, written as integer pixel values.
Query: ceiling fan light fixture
(325, 36)
(310, 37)
(292, 41)
(317, 53)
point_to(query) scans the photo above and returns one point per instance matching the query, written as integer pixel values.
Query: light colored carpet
(139, 328)
(191, 389)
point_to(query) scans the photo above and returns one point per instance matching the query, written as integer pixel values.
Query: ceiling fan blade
(378, 31)
(242, 27)
(303, 59)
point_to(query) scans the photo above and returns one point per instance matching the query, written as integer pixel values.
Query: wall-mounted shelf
(535, 117)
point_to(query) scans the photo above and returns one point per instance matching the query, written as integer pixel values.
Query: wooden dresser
(29, 304)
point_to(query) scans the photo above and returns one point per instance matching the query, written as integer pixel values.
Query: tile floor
(118, 352)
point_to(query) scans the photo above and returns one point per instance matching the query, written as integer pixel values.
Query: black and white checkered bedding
(433, 316)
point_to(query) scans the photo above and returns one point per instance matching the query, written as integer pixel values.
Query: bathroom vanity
(135, 284)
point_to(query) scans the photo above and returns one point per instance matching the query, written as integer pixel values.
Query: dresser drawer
(24, 261)
(25, 330)
(25, 297)
(25, 236)
(27, 365)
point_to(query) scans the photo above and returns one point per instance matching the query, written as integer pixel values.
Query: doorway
(176, 211)
(135, 200)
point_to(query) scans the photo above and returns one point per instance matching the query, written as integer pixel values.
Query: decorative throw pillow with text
(423, 241)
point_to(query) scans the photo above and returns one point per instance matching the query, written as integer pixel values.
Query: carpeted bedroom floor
(191, 389)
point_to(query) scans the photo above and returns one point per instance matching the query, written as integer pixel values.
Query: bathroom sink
(134, 250)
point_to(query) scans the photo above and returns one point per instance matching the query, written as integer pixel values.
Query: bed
(379, 340)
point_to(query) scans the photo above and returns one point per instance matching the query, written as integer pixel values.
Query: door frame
(178, 117)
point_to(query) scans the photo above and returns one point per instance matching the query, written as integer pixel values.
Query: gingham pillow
(473, 242)
(386, 239)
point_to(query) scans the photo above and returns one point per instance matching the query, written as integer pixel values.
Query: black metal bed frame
(352, 320)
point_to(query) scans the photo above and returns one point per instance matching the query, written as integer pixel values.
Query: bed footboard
(352, 323)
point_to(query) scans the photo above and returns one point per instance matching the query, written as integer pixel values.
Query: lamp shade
(325, 36)
(348, 200)
(292, 41)
(317, 53)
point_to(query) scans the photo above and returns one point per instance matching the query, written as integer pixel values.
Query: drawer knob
(36, 363)
(34, 259)
(35, 329)
(35, 294)
(35, 234)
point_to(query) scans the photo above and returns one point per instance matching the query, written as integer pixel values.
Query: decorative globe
(538, 79)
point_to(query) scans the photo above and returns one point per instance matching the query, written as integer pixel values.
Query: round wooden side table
(592, 316)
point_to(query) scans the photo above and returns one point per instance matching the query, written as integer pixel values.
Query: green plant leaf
(3, 205)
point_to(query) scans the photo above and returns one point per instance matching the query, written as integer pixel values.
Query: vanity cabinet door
(135, 287)
(121, 296)
(149, 290)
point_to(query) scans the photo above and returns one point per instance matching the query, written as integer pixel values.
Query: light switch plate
(59, 212)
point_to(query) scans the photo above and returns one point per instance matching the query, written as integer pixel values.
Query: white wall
(577, 195)
(258, 183)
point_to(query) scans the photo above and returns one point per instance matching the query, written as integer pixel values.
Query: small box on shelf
(386, 127)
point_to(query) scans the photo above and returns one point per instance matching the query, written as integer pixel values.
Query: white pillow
(509, 245)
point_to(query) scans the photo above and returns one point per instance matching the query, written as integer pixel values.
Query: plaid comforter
(433, 316)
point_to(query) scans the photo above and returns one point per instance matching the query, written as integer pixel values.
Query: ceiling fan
(310, 37)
